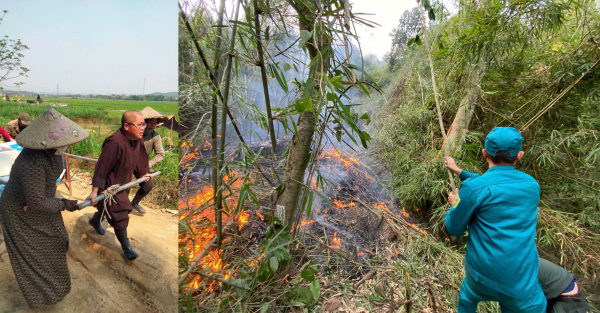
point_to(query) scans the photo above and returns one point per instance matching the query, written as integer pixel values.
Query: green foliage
(533, 51)
(11, 55)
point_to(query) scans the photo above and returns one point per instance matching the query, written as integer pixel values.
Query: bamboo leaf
(305, 35)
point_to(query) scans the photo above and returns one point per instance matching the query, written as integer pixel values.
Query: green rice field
(85, 107)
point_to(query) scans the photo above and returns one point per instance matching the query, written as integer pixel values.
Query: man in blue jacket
(500, 209)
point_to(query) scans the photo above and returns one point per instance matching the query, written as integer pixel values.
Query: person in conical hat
(152, 142)
(30, 215)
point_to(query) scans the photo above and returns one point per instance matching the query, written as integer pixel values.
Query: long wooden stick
(435, 93)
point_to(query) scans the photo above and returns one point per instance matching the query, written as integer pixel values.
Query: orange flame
(334, 154)
(243, 219)
(304, 223)
(260, 215)
(336, 241)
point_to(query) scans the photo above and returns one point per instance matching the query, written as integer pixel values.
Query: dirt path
(101, 279)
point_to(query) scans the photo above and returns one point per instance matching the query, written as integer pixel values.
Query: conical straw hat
(150, 113)
(51, 130)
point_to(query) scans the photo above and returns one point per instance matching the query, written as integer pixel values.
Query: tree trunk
(460, 125)
(295, 167)
(298, 156)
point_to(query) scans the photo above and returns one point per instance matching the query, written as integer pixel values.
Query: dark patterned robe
(118, 161)
(36, 239)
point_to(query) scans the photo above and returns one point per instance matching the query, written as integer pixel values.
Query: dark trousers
(144, 190)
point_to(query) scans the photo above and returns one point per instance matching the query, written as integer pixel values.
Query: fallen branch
(219, 279)
(362, 280)
(435, 93)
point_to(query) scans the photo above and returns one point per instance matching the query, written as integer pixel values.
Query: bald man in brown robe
(123, 155)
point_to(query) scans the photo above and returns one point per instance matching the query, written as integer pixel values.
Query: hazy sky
(387, 13)
(101, 46)
(376, 40)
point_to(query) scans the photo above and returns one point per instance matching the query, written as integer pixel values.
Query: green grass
(10, 111)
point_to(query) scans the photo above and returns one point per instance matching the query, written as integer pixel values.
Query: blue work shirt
(500, 208)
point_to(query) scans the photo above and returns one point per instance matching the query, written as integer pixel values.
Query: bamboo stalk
(435, 93)
(221, 160)
(214, 161)
(263, 73)
(80, 157)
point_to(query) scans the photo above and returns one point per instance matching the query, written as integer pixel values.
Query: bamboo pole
(123, 187)
(72, 156)
(263, 73)
(221, 161)
(214, 114)
(435, 93)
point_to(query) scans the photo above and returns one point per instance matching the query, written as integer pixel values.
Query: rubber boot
(130, 255)
(95, 222)
(139, 208)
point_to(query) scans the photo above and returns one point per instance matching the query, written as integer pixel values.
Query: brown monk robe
(123, 155)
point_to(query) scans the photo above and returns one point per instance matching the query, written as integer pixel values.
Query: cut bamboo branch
(435, 92)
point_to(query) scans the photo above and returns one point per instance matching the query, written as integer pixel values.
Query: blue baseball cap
(503, 138)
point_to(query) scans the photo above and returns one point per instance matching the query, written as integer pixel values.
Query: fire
(404, 213)
(190, 156)
(260, 215)
(367, 176)
(207, 145)
(419, 230)
(334, 154)
(243, 219)
(233, 176)
(336, 241)
(201, 198)
(338, 204)
(304, 223)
